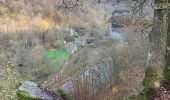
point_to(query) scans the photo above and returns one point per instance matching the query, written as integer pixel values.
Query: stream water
(116, 35)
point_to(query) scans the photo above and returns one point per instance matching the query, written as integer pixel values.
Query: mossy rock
(152, 75)
(24, 96)
(31, 91)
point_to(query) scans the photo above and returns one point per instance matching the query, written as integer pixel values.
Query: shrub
(58, 44)
(70, 38)
(8, 82)
(89, 41)
(79, 34)
(63, 95)
(151, 75)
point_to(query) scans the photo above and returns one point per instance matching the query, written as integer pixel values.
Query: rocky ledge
(31, 91)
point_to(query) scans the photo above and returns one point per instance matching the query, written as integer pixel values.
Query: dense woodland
(84, 50)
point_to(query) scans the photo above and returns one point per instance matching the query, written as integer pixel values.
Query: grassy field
(56, 58)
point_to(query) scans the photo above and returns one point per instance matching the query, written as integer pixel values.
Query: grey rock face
(67, 86)
(34, 91)
(71, 47)
(100, 73)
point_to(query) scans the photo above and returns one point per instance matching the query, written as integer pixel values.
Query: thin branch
(138, 6)
(70, 4)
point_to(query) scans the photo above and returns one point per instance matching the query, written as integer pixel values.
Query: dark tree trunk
(167, 56)
(43, 38)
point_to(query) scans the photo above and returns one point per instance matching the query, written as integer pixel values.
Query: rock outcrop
(31, 91)
(99, 74)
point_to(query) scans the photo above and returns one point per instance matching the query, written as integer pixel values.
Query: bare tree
(77, 4)
(158, 48)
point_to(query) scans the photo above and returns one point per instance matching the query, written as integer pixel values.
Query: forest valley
(84, 50)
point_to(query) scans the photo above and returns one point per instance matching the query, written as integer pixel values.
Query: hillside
(72, 49)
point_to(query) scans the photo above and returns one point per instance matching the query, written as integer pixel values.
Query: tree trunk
(167, 56)
(156, 54)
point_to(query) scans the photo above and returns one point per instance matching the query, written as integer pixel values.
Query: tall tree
(157, 50)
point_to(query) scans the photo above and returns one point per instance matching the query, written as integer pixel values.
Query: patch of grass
(24, 96)
(56, 57)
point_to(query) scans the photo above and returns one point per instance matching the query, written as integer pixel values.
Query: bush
(70, 38)
(63, 95)
(79, 34)
(151, 75)
(8, 82)
(89, 41)
(58, 44)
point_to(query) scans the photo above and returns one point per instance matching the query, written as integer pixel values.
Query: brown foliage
(125, 22)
